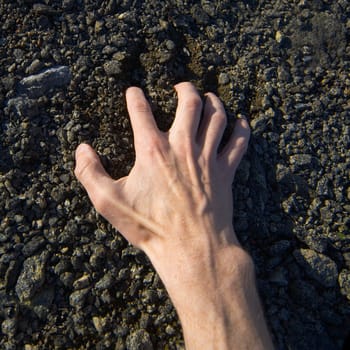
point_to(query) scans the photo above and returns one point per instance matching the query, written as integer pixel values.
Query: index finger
(141, 116)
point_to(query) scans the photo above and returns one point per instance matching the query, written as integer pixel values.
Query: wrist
(216, 299)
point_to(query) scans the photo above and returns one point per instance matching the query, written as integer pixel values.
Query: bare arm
(176, 205)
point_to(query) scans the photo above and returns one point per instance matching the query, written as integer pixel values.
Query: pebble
(78, 297)
(224, 78)
(344, 283)
(317, 266)
(112, 68)
(32, 276)
(139, 339)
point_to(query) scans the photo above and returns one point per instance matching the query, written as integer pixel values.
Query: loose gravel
(68, 280)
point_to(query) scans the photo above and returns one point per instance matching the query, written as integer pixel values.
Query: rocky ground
(67, 279)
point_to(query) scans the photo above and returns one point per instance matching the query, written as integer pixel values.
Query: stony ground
(67, 279)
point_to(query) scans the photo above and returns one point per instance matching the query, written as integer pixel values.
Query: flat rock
(38, 85)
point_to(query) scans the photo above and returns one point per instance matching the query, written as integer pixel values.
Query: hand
(178, 194)
(176, 203)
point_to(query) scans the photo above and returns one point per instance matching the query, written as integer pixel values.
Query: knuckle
(141, 106)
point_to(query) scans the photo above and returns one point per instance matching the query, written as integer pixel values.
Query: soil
(68, 280)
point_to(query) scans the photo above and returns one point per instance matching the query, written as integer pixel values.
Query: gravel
(67, 279)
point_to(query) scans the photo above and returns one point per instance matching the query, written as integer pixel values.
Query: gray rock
(23, 106)
(77, 298)
(33, 245)
(32, 276)
(318, 266)
(38, 85)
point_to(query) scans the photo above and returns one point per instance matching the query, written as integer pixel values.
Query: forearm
(229, 319)
(217, 302)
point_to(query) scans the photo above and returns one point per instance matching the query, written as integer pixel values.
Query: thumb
(90, 171)
(107, 198)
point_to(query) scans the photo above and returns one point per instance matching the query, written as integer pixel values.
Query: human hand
(176, 203)
(178, 178)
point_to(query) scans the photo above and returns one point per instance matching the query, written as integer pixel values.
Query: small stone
(9, 326)
(318, 266)
(99, 26)
(67, 278)
(33, 245)
(32, 276)
(170, 45)
(105, 282)
(199, 15)
(169, 330)
(77, 298)
(23, 106)
(68, 4)
(82, 282)
(139, 339)
(224, 78)
(112, 67)
(280, 248)
(344, 283)
(42, 9)
(99, 323)
(279, 36)
(34, 67)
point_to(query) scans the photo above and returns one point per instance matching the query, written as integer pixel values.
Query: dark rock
(106, 282)
(77, 298)
(32, 276)
(33, 245)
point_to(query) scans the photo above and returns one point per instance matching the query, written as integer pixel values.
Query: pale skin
(176, 205)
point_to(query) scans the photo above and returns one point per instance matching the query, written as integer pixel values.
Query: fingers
(188, 113)
(141, 117)
(212, 125)
(236, 147)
